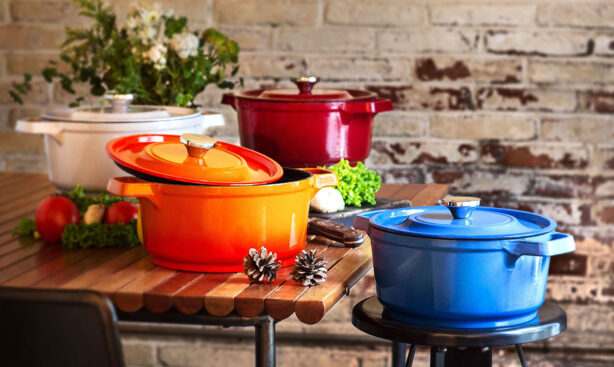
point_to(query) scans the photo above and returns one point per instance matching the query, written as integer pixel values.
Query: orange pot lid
(193, 158)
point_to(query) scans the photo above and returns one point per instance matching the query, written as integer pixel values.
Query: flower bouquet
(154, 56)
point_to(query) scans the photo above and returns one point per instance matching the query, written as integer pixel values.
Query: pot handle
(132, 187)
(557, 244)
(361, 221)
(229, 99)
(36, 125)
(323, 177)
(371, 107)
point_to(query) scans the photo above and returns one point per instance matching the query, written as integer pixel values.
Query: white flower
(185, 44)
(156, 55)
(147, 33)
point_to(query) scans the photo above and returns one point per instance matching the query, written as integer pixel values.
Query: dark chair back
(57, 328)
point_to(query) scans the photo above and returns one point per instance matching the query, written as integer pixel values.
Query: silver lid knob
(119, 102)
(461, 207)
(197, 144)
(450, 200)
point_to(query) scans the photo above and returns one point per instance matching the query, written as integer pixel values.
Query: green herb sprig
(356, 184)
(100, 235)
(26, 227)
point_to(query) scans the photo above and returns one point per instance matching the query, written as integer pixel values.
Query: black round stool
(455, 347)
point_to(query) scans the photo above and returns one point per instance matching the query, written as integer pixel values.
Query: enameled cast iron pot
(210, 228)
(304, 127)
(75, 138)
(462, 268)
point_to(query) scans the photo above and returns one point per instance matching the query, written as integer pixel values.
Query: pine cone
(261, 267)
(309, 269)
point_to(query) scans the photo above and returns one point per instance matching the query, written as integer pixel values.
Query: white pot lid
(119, 110)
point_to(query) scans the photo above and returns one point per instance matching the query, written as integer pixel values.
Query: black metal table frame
(264, 326)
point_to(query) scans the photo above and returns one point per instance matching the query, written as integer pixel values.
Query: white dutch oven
(75, 139)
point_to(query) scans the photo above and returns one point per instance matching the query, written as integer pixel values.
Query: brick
(326, 39)
(250, 38)
(540, 71)
(38, 92)
(26, 163)
(480, 182)
(480, 126)
(33, 63)
(562, 186)
(276, 12)
(603, 157)
(563, 212)
(30, 36)
(15, 142)
(359, 68)
(422, 151)
(519, 99)
(139, 354)
(605, 213)
(575, 15)
(397, 124)
(604, 45)
(214, 353)
(425, 97)
(428, 40)
(479, 70)
(581, 128)
(597, 101)
(535, 155)
(304, 357)
(398, 175)
(568, 264)
(500, 14)
(381, 13)
(267, 65)
(62, 12)
(538, 43)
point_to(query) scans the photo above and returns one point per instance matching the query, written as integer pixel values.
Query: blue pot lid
(463, 220)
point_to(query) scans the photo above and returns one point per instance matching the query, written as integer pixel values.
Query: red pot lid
(305, 92)
(193, 158)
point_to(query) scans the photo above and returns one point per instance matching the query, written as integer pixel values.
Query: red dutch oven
(306, 127)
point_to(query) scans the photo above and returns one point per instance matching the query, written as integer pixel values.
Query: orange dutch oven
(204, 203)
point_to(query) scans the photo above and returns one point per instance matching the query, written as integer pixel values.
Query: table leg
(265, 343)
(398, 354)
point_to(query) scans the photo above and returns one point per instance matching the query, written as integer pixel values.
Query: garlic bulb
(327, 200)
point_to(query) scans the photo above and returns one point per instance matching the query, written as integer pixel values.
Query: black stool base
(455, 347)
(461, 357)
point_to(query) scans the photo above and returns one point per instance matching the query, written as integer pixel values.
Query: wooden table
(142, 291)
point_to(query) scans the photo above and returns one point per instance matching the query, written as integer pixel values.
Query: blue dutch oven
(460, 265)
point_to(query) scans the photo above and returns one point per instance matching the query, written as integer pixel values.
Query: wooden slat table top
(132, 282)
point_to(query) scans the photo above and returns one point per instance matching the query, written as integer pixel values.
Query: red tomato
(52, 215)
(121, 212)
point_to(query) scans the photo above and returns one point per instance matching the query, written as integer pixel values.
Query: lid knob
(461, 207)
(305, 83)
(119, 102)
(197, 144)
